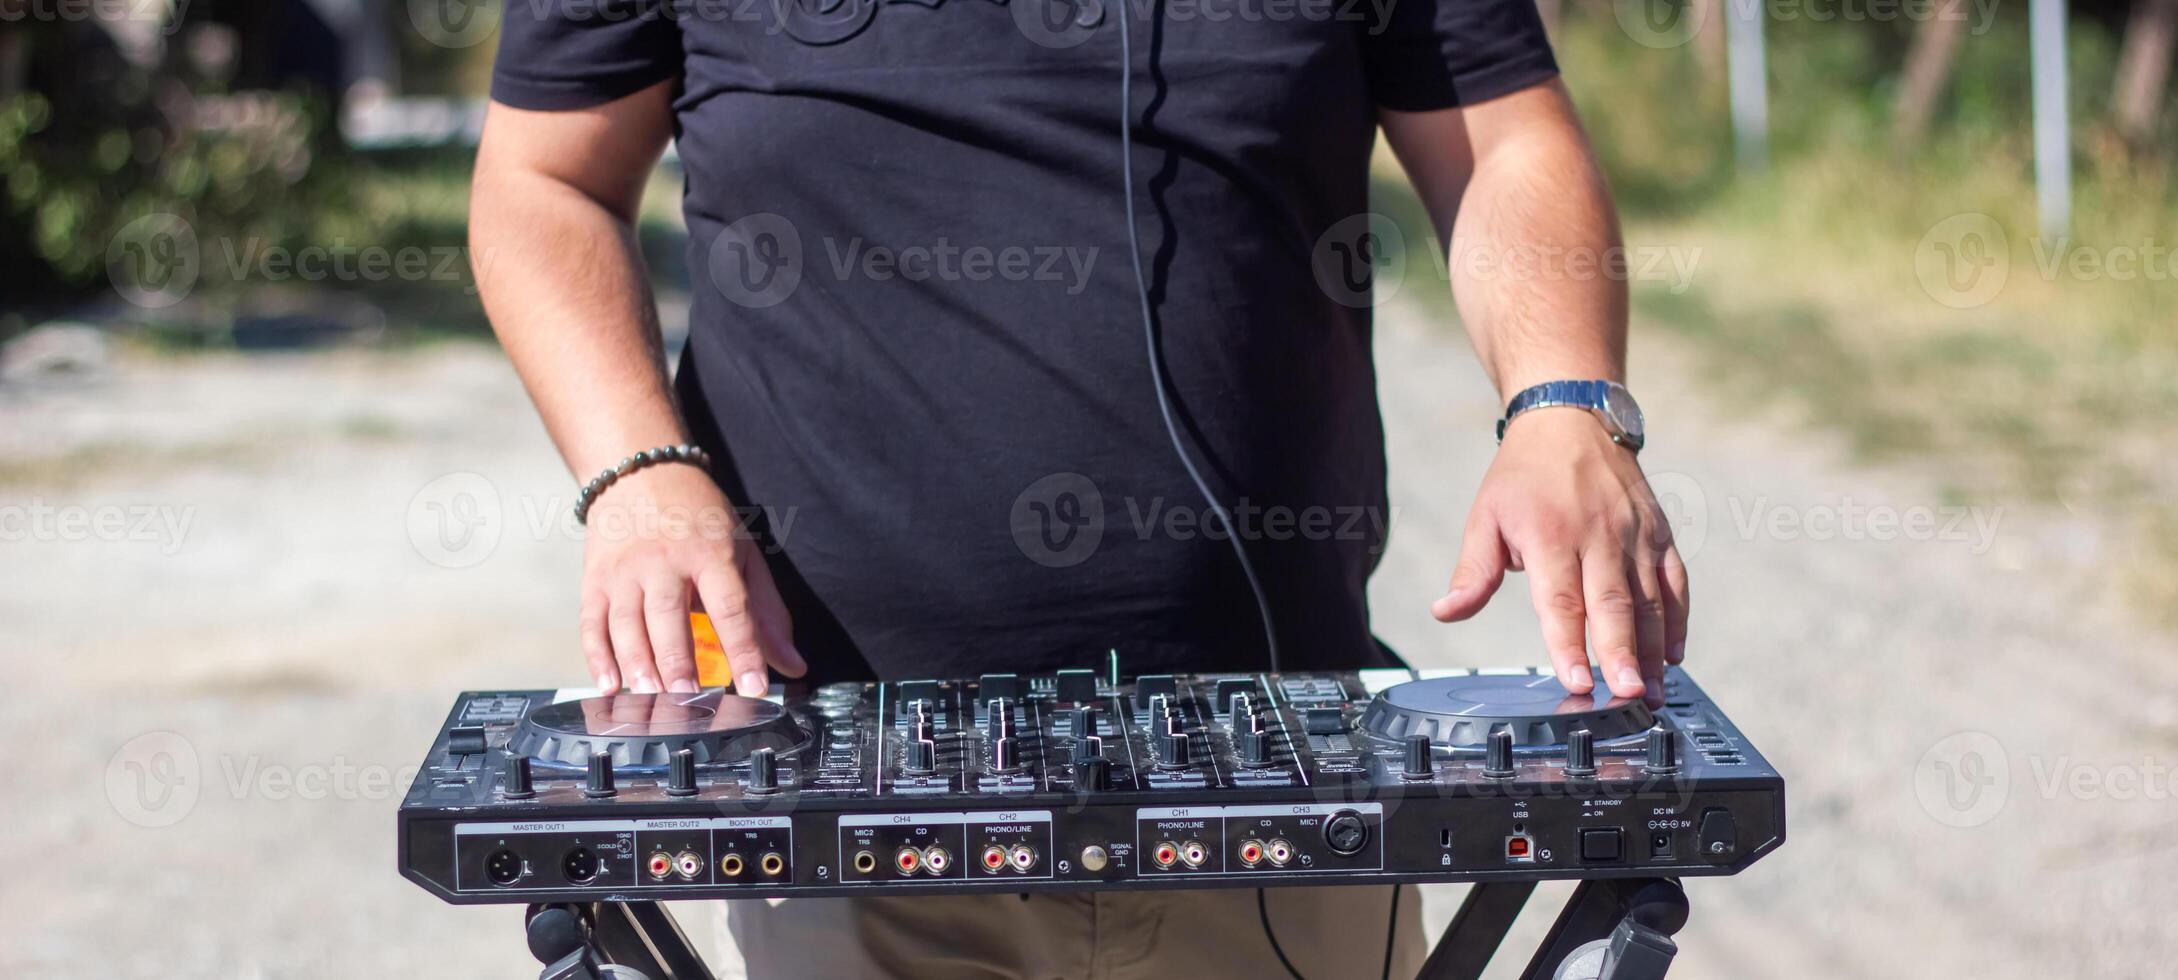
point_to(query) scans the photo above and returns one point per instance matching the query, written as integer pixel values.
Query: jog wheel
(646, 729)
(1534, 707)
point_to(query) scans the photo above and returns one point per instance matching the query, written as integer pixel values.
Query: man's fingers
(1481, 568)
(1678, 605)
(1554, 585)
(672, 646)
(773, 621)
(1649, 624)
(597, 647)
(1611, 618)
(631, 638)
(726, 601)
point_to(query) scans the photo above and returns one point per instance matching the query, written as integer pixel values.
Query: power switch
(1719, 836)
(1603, 845)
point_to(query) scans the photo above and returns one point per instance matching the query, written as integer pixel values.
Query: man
(915, 330)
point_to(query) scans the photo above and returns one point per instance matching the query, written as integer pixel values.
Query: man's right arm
(552, 235)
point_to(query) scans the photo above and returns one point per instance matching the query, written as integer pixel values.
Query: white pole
(1749, 81)
(2052, 132)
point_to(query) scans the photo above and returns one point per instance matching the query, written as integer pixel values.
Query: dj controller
(1081, 780)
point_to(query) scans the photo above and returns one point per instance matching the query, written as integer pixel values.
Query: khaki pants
(1328, 932)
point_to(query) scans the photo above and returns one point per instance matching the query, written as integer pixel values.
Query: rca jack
(688, 864)
(937, 859)
(1023, 857)
(1280, 851)
(731, 865)
(994, 859)
(660, 865)
(1194, 854)
(1165, 854)
(909, 860)
(1251, 852)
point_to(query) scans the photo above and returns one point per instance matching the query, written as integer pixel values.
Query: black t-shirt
(915, 341)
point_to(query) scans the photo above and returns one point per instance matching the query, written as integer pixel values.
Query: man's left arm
(1538, 276)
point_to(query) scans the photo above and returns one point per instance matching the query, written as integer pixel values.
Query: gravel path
(277, 619)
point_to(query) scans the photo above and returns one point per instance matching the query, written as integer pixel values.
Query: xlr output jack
(503, 867)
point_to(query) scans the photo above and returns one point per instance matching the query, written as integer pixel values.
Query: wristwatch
(1608, 400)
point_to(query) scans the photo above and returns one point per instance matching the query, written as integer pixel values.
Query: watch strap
(1580, 394)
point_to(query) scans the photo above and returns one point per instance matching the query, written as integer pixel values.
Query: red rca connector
(908, 860)
(1166, 854)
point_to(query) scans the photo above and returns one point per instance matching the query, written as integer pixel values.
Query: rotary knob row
(516, 782)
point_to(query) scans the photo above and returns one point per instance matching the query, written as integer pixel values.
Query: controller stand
(1611, 929)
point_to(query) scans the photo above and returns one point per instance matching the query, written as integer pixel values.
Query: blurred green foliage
(97, 142)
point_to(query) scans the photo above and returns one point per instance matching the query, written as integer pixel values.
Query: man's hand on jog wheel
(664, 542)
(1571, 508)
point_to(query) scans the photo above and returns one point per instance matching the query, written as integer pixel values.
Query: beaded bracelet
(649, 457)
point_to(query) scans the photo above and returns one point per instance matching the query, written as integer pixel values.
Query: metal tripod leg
(1611, 929)
(611, 941)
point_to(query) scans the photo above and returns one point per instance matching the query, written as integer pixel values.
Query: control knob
(681, 774)
(514, 778)
(1419, 761)
(922, 756)
(1580, 753)
(1172, 748)
(763, 771)
(1663, 757)
(599, 784)
(1499, 762)
(1255, 748)
(1093, 775)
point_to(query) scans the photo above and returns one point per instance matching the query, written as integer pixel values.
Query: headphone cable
(1149, 337)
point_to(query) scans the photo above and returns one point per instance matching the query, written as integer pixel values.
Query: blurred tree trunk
(2144, 68)
(1928, 73)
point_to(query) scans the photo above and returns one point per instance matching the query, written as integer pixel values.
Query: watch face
(1620, 404)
